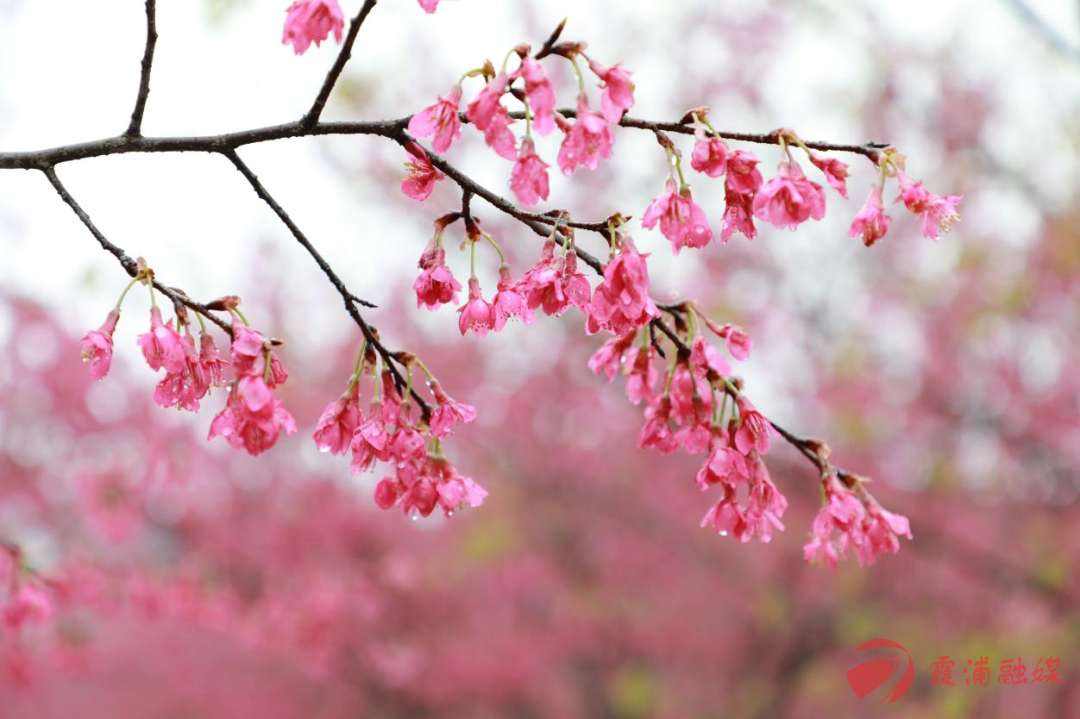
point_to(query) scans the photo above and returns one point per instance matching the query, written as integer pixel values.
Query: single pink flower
(587, 141)
(938, 212)
(312, 21)
(680, 218)
(97, 346)
(657, 434)
(185, 388)
(162, 346)
(641, 381)
(789, 199)
(509, 301)
(253, 418)
(738, 216)
(440, 120)
(339, 422)
(499, 137)
(387, 492)
(529, 179)
(540, 93)
(422, 174)
(406, 444)
(608, 360)
(710, 155)
(691, 398)
(618, 94)
(724, 465)
(836, 172)
(489, 116)
(210, 365)
(436, 285)
(754, 429)
(738, 342)
(621, 302)
(743, 176)
(477, 314)
(705, 357)
(449, 414)
(871, 223)
(370, 441)
(250, 351)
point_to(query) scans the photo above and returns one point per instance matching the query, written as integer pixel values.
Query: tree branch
(129, 265)
(369, 332)
(312, 116)
(135, 128)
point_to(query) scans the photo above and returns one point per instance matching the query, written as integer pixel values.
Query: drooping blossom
(681, 220)
(554, 283)
(419, 487)
(97, 346)
(187, 386)
(405, 444)
(436, 284)
(440, 120)
(705, 357)
(162, 346)
(312, 21)
(846, 520)
(836, 171)
(449, 414)
(754, 429)
(587, 141)
(618, 94)
(477, 314)
(657, 433)
(608, 360)
(210, 365)
(938, 212)
(422, 174)
(641, 381)
(509, 301)
(724, 465)
(740, 186)
(370, 441)
(250, 353)
(789, 199)
(253, 418)
(529, 179)
(540, 93)
(621, 301)
(763, 510)
(738, 342)
(489, 116)
(871, 223)
(691, 398)
(339, 422)
(710, 154)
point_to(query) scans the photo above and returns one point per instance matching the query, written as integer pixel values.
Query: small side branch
(135, 128)
(312, 116)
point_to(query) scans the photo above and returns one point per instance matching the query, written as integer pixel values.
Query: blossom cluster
(388, 432)
(312, 21)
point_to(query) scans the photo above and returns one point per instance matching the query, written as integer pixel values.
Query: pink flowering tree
(388, 411)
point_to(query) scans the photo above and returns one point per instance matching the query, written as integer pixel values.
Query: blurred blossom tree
(556, 600)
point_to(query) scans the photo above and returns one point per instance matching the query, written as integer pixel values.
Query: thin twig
(135, 128)
(312, 116)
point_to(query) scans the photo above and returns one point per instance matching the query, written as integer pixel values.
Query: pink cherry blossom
(312, 21)
(97, 346)
(680, 218)
(938, 212)
(477, 314)
(641, 381)
(738, 216)
(185, 388)
(724, 465)
(249, 355)
(540, 93)
(618, 94)
(691, 399)
(162, 346)
(836, 172)
(871, 223)
(370, 441)
(621, 302)
(339, 422)
(509, 301)
(210, 365)
(705, 357)
(657, 434)
(406, 444)
(449, 414)
(754, 429)
(743, 176)
(710, 154)
(436, 285)
(608, 360)
(741, 185)
(554, 283)
(422, 174)
(440, 120)
(489, 116)
(738, 342)
(529, 179)
(253, 418)
(789, 199)
(587, 141)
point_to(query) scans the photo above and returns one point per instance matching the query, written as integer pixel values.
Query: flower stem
(126, 290)
(489, 238)
(579, 76)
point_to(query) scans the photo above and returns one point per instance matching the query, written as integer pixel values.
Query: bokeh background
(206, 583)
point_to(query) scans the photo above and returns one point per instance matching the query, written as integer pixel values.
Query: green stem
(202, 324)
(489, 238)
(126, 290)
(269, 367)
(426, 371)
(528, 118)
(359, 367)
(472, 259)
(241, 316)
(579, 76)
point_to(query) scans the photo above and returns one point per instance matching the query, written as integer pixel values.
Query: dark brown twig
(135, 127)
(312, 116)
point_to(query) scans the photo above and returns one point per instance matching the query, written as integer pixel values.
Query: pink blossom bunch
(618, 95)
(789, 199)
(681, 220)
(554, 283)
(419, 487)
(588, 139)
(436, 285)
(621, 302)
(751, 506)
(740, 187)
(847, 519)
(938, 212)
(488, 114)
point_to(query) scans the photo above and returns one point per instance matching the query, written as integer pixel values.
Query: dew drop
(723, 533)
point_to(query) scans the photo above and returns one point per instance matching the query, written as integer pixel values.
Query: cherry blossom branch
(130, 266)
(370, 333)
(135, 128)
(312, 116)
